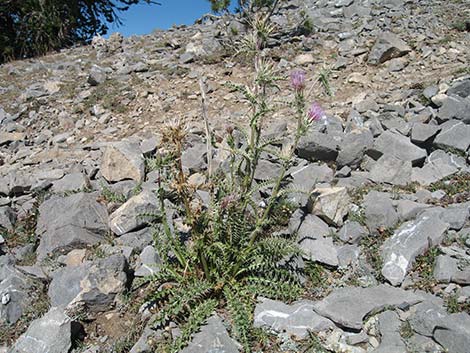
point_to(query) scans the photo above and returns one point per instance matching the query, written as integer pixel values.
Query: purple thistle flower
(315, 113)
(297, 80)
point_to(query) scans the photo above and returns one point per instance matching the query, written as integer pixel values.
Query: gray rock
(97, 76)
(409, 209)
(426, 317)
(267, 170)
(7, 218)
(453, 333)
(94, 284)
(460, 88)
(148, 262)
(391, 170)
(308, 176)
(50, 334)
(455, 108)
(318, 146)
(212, 338)
(14, 293)
(445, 268)
(423, 133)
(331, 204)
(389, 327)
(320, 249)
(66, 223)
(343, 307)
(462, 277)
(352, 232)
(305, 179)
(410, 240)
(137, 240)
(379, 211)
(455, 135)
(348, 255)
(70, 182)
(433, 171)
(130, 216)
(194, 159)
(386, 47)
(312, 235)
(398, 146)
(343, 172)
(353, 147)
(297, 319)
(121, 161)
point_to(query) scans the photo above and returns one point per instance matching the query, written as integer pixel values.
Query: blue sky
(144, 18)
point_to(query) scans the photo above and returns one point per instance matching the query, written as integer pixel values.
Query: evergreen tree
(33, 27)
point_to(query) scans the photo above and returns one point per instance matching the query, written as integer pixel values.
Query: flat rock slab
(348, 306)
(410, 240)
(391, 170)
(69, 222)
(213, 337)
(51, 333)
(296, 319)
(398, 146)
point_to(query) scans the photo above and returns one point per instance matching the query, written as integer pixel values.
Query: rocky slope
(386, 235)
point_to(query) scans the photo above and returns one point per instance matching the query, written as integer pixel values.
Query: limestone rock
(69, 222)
(51, 333)
(94, 284)
(296, 319)
(121, 161)
(344, 308)
(212, 337)
(130, 216)
(410, 240)
(331, 204)
(386, 47)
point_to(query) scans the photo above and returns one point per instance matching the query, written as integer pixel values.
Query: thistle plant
(223, 254)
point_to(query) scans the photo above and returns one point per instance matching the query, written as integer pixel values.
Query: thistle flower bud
(315, 113)
(297, 80)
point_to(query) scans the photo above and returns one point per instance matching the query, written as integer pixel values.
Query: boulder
(353, 147)
(97, 76)
(390, 339)
(391, 170)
